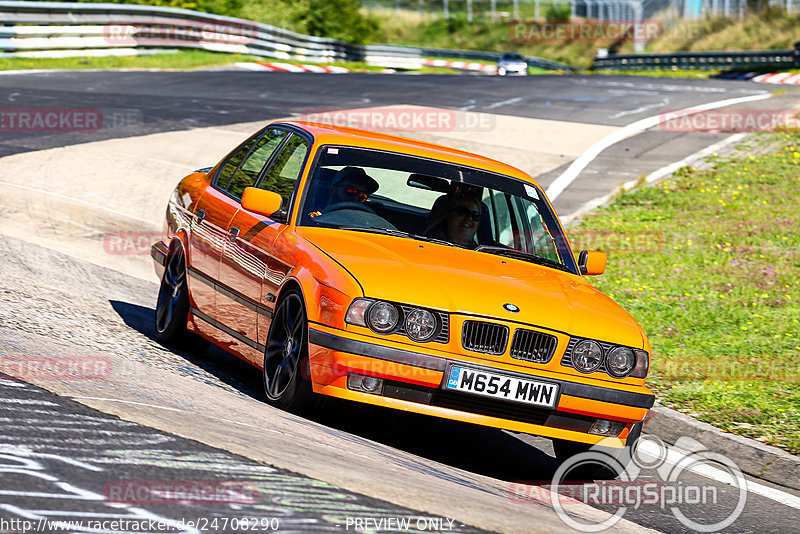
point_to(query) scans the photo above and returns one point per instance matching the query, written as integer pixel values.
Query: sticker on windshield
(532, 192)
(333, 151)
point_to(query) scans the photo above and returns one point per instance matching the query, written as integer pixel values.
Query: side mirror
(592, 262)
(261, 201)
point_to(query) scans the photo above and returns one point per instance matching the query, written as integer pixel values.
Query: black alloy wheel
(172, 306)
(286, 356)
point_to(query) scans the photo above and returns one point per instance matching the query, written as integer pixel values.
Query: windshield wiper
(396, 233)
(520, 255)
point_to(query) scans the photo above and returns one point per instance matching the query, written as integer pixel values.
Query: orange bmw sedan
(402, 274)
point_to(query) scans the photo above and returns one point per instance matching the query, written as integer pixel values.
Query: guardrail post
(797, 54)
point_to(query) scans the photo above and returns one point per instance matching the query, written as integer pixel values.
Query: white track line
(676, 456)
(504, 103)
(652, 177)
(571, 173)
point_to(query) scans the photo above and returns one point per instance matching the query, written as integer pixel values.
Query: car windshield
(365, 190)
(513, 57)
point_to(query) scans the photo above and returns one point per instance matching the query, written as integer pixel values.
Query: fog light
(367, 384)
(370, 383)
(604, 427)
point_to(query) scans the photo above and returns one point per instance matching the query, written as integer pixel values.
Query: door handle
(233, 233)
(201, 214)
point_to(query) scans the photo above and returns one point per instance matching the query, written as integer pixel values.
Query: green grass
(770, 29)
(184, 59)
(709, 263)
(409, 28)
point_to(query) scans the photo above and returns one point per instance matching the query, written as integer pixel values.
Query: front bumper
(414, 383)
(512, 70)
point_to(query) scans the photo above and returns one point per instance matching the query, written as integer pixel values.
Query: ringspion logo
(653, 477)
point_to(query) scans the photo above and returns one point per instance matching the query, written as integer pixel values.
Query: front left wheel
(286, 356)
(172, 307)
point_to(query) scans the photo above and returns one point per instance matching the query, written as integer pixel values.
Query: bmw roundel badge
(510, 307)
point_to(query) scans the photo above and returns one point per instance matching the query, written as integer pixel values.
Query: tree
(338, 19)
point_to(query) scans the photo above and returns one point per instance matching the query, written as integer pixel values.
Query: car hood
(463, 281)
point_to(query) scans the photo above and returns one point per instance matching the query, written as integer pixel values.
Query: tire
(286, 356)
(172, 307)
(618, 459)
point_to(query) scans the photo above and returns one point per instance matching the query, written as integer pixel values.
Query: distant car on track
(402, 274)
(512, 63)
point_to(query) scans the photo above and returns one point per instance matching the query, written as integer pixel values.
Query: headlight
(383, 317)
(620, 362)
(420, 325)
(587, 356)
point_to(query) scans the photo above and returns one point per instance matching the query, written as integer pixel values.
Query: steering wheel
(348, 205)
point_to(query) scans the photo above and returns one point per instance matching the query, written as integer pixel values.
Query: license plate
(500, 386)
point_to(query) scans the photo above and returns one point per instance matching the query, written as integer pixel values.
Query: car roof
(328, 134)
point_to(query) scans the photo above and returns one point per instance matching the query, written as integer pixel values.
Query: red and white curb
(292, 67)
(788, 78)
(461, 65)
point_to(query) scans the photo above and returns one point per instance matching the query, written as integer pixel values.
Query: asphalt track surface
(137, 103)
(50, 444)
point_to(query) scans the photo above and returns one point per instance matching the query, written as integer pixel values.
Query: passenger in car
(456, 219)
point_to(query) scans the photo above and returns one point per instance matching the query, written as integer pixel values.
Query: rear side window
(286, 169)
(234, 161)
(251, 167)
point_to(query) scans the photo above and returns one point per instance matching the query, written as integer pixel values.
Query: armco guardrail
(60, 29)
(773, 59)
